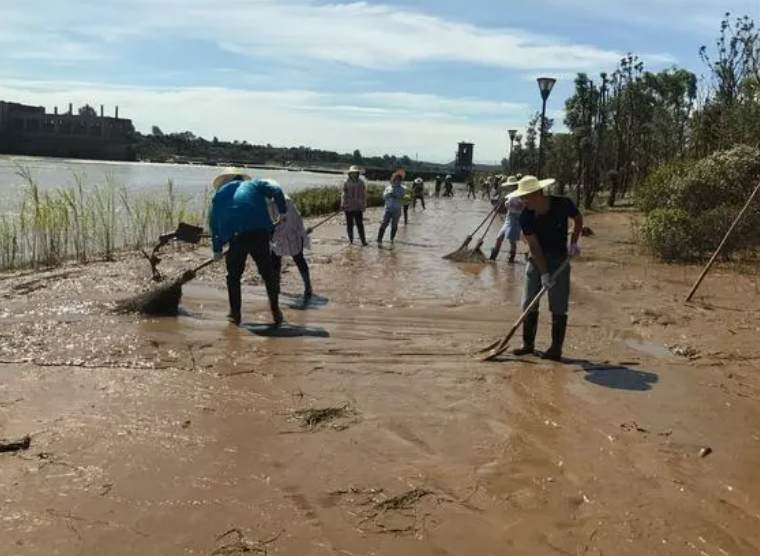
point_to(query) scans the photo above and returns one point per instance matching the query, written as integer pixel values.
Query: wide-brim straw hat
(418, 180)
(398, 174)
(530, 184)
(354, 170)
(227, 174)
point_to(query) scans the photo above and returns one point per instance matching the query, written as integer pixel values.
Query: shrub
(689, 207)
(324, 200)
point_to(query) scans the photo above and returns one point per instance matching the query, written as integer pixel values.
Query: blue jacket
(242, 206)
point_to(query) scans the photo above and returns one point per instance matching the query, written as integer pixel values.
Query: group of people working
(255, 218)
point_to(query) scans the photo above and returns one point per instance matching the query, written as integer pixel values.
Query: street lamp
(545, 85)
(512, 134)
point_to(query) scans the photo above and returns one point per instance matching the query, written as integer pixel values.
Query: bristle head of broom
(161, 301)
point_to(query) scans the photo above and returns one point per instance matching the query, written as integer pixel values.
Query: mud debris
(316, 418)
(15, 445)
(241, 545)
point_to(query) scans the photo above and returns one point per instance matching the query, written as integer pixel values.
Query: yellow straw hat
(530, 184)
(227, 174)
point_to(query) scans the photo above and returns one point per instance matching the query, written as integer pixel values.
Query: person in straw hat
(544, 224)
(393, 197)
(240, 217)
(511, 228)
(354, 203)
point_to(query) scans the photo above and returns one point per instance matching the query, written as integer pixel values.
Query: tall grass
(86, 223)
(94, 222)
(323, 200)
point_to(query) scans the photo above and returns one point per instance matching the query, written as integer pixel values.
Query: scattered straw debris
(236, 543)
(400, 515)
(317, 418)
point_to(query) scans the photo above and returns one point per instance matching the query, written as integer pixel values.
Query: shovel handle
(326, 220)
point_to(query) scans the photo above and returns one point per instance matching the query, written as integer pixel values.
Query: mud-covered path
(160, 436)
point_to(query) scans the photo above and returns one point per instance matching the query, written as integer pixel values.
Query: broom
(500, 346)
(162, 301)
(468, 239)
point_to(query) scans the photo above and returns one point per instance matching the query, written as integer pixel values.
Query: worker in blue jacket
(240, 216)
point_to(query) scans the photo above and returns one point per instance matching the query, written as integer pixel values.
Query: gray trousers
(559, 294)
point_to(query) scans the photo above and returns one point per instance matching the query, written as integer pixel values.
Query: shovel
(184, 232)
(463, 247)
(163, 300)
(500, 346)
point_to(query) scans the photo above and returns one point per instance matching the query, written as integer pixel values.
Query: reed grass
(85, 222)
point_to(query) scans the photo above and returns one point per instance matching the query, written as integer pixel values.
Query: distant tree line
(160, 146)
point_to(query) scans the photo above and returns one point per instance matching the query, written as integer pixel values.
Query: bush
(689, 208)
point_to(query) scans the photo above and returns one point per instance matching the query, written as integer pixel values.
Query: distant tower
(464, 159)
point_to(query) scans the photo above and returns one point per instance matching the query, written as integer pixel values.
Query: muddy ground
(190, 436)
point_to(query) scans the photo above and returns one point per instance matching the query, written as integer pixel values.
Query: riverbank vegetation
(649, 136)
(85, 222)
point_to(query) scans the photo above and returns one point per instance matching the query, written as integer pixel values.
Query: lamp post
(545, 85)
(512, 134)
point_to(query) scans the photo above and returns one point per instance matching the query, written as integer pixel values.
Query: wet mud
(365, 426)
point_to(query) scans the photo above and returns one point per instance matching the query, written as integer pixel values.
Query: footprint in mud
(408, 437)
(285, 330)
(302, 503)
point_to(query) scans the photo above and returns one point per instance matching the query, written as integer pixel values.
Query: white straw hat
(530, 184)
(227, 174)
(354, 170)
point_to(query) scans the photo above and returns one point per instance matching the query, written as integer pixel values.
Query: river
(50, 173)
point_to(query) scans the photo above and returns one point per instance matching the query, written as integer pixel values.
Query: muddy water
(160, 436)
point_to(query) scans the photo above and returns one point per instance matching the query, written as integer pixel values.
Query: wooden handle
(722, 243)
(318, 224)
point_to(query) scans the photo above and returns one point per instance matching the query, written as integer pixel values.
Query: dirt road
(189, 436)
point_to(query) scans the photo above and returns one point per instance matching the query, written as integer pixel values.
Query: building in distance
(30, 130)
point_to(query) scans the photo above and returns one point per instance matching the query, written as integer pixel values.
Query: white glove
(574, 250)
(218, 256)
(546, 281)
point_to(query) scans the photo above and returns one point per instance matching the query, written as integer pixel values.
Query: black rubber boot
(512, 256)
(559, 327)
(235, 298)
(530, 327)
(494, 254)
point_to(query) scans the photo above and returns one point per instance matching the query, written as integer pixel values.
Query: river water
(51, 173)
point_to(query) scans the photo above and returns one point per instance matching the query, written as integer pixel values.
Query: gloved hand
(546, 281)
(283, 219)
(218, 256)
(574, 250)
(309, 230)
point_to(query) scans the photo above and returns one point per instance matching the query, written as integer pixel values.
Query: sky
(413, 77)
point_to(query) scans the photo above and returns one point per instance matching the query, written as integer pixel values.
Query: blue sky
(410, 77)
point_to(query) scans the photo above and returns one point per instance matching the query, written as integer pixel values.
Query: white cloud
(375, 123)
(357, 34)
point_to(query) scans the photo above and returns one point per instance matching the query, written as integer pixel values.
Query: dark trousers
(355, 217)
(406, 215)
(303, 269)
(256, 244)
(419, 198)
